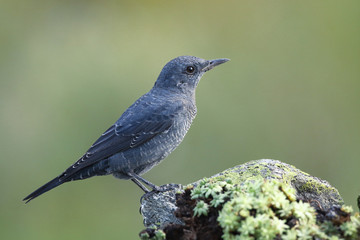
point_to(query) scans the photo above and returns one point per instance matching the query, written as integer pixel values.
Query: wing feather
(121, 136)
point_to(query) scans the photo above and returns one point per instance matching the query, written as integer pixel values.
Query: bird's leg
(136, 179)
(140, 185)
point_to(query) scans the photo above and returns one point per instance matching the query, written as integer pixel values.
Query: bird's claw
(167, 187)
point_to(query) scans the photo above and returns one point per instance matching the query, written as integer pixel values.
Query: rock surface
(319, 193)
(157, 208)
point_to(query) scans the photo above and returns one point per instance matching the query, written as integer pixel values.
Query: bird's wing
(131, 130)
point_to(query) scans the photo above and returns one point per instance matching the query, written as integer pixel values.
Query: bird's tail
(48, 186)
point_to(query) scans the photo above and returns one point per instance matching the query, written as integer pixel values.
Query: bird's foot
(158, 190)
(167, 187)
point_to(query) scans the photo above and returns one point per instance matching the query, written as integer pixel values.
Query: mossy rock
(276, 197)
(308, 188)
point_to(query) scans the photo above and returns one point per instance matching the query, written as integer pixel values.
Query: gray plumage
(147, 132)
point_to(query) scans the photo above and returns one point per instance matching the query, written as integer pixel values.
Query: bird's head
(183, 74)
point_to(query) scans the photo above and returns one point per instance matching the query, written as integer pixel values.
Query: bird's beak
(213, 63)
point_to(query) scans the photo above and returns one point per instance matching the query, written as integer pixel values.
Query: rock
(157, 208)
(319, 193)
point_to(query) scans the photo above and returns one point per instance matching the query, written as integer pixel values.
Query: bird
(147, 132)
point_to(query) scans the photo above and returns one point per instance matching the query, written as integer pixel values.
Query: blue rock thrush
(147, 132)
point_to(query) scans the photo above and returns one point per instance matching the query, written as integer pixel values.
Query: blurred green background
(68, 69)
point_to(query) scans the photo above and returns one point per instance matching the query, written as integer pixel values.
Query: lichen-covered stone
(319, 193)
(262, 209)
(157, 208)
(199, 205)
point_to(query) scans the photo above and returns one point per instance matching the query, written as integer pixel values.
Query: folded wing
(122, 136)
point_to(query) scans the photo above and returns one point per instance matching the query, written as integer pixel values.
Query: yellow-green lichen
(263, 209)
(317, 186)
(158, 235)
(267, 199)
(272, 169)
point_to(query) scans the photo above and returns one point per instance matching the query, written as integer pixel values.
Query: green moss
(262, 209)
(260, 200)
(158, 235)
(312, 185)
(256, 170)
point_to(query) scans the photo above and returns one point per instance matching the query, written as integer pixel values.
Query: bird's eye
(190, 69)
